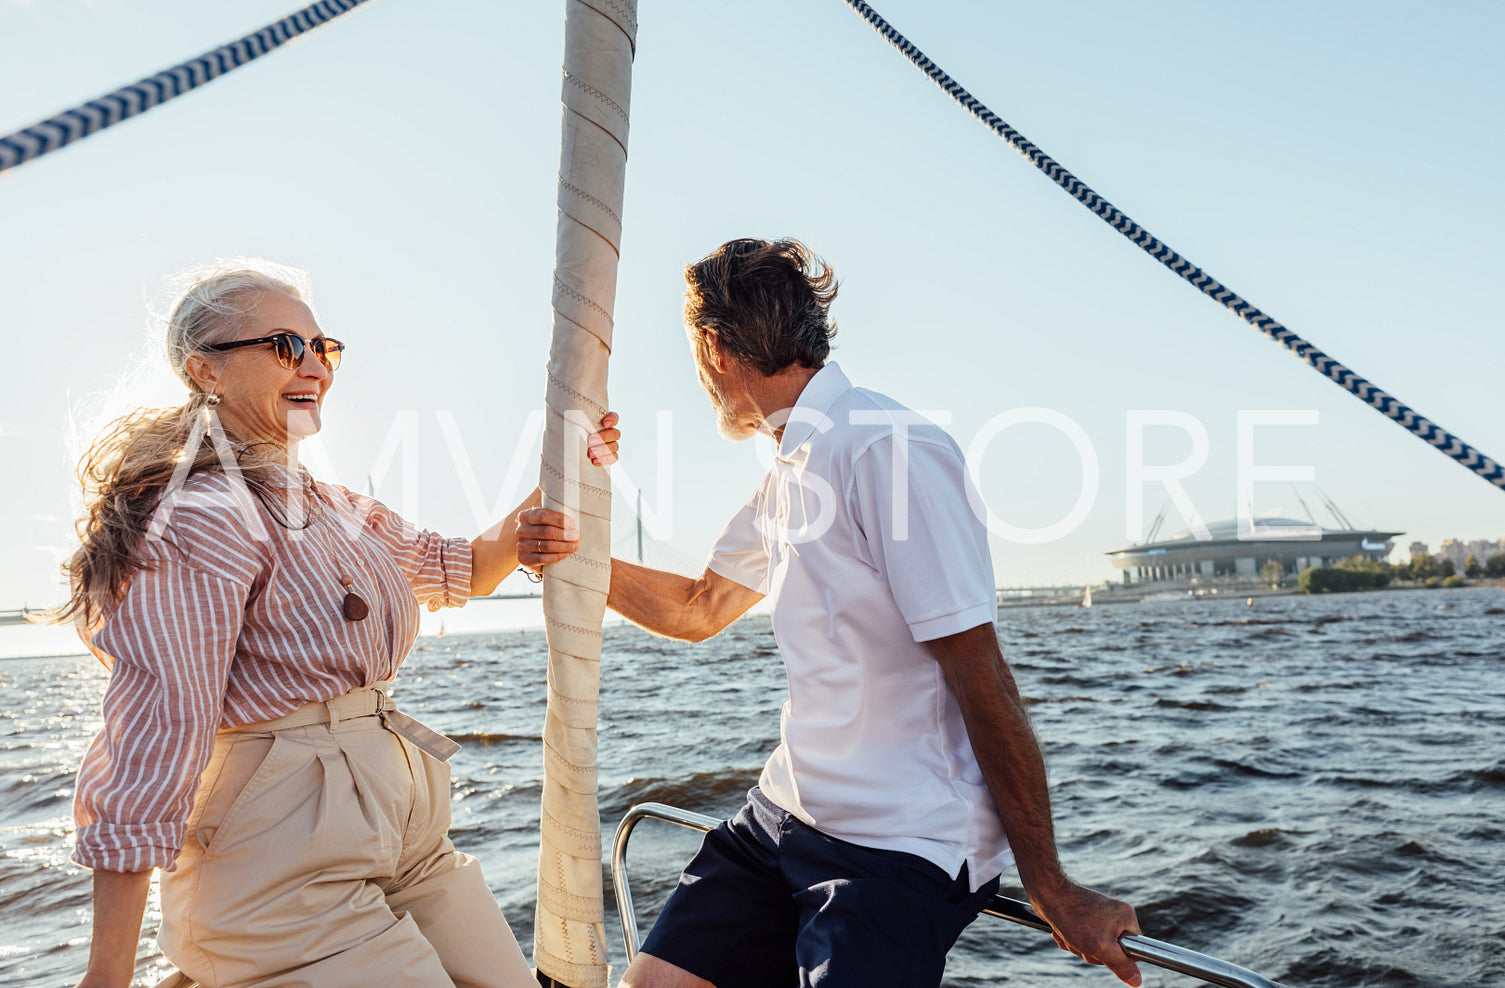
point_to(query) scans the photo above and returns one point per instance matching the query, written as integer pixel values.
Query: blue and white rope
(1387, 404)
(127, 101)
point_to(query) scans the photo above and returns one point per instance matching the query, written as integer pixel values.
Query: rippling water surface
(1311, 787)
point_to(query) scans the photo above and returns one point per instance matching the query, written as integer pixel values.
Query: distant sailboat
(1086, 597)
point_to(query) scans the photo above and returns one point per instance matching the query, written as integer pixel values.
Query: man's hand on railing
(1088, 924)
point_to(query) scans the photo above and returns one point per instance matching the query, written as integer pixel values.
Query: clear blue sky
(1336, 163)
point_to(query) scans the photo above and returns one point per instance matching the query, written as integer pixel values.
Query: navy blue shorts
(770, 902)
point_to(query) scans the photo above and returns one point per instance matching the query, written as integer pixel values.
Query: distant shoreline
(1101, 598)
(30, 641)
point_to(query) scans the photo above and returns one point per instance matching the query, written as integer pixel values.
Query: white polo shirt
(863, 538)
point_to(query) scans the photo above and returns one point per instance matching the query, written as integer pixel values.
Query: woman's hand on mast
(546, 536)
(602, 444)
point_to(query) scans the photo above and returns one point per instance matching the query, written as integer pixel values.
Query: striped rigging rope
(1388, 405)
(127, 101)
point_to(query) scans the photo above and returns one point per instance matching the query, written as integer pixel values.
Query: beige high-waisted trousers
(317, 857)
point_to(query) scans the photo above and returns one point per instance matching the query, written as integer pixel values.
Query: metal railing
(1167, 955)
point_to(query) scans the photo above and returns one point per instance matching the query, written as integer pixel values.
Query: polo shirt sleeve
(930, 548)
(740, 553)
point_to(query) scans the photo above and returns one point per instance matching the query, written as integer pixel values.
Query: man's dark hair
(765, 301)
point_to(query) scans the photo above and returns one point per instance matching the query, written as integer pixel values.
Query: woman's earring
(209, 415)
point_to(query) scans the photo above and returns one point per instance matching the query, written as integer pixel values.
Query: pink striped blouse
(239, 621)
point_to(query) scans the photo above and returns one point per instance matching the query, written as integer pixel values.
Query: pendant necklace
(354, 606)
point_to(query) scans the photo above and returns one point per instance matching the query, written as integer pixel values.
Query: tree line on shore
(1361, 573)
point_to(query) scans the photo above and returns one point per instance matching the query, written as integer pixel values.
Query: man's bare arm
(677, 606)
(1086, 922)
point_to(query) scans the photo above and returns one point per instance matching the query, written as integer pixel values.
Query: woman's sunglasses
(290, 348)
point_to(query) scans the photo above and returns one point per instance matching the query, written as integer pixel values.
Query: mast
(640, 528)
(600, 37)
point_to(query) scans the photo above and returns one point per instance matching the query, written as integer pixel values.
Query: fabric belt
(363, 701)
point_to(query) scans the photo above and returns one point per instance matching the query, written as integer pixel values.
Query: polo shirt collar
(814, 404)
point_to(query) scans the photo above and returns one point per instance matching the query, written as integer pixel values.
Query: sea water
(1310, 787)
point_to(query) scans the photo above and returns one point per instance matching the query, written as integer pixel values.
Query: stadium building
(1231, 555)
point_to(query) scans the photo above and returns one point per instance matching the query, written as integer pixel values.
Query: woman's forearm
(493, 553)
(119, 903)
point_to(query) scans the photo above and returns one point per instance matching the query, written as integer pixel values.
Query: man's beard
(727, 425)
(726, 418)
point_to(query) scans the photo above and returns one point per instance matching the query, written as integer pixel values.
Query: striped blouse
(239, 621)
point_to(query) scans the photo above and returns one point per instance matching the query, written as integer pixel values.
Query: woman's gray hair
(138, 458)
(214, 302)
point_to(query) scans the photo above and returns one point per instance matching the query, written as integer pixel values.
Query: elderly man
(907, 777)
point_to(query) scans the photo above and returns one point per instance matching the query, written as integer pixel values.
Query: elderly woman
(252, 619)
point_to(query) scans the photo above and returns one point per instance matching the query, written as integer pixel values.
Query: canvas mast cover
(600, 37)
